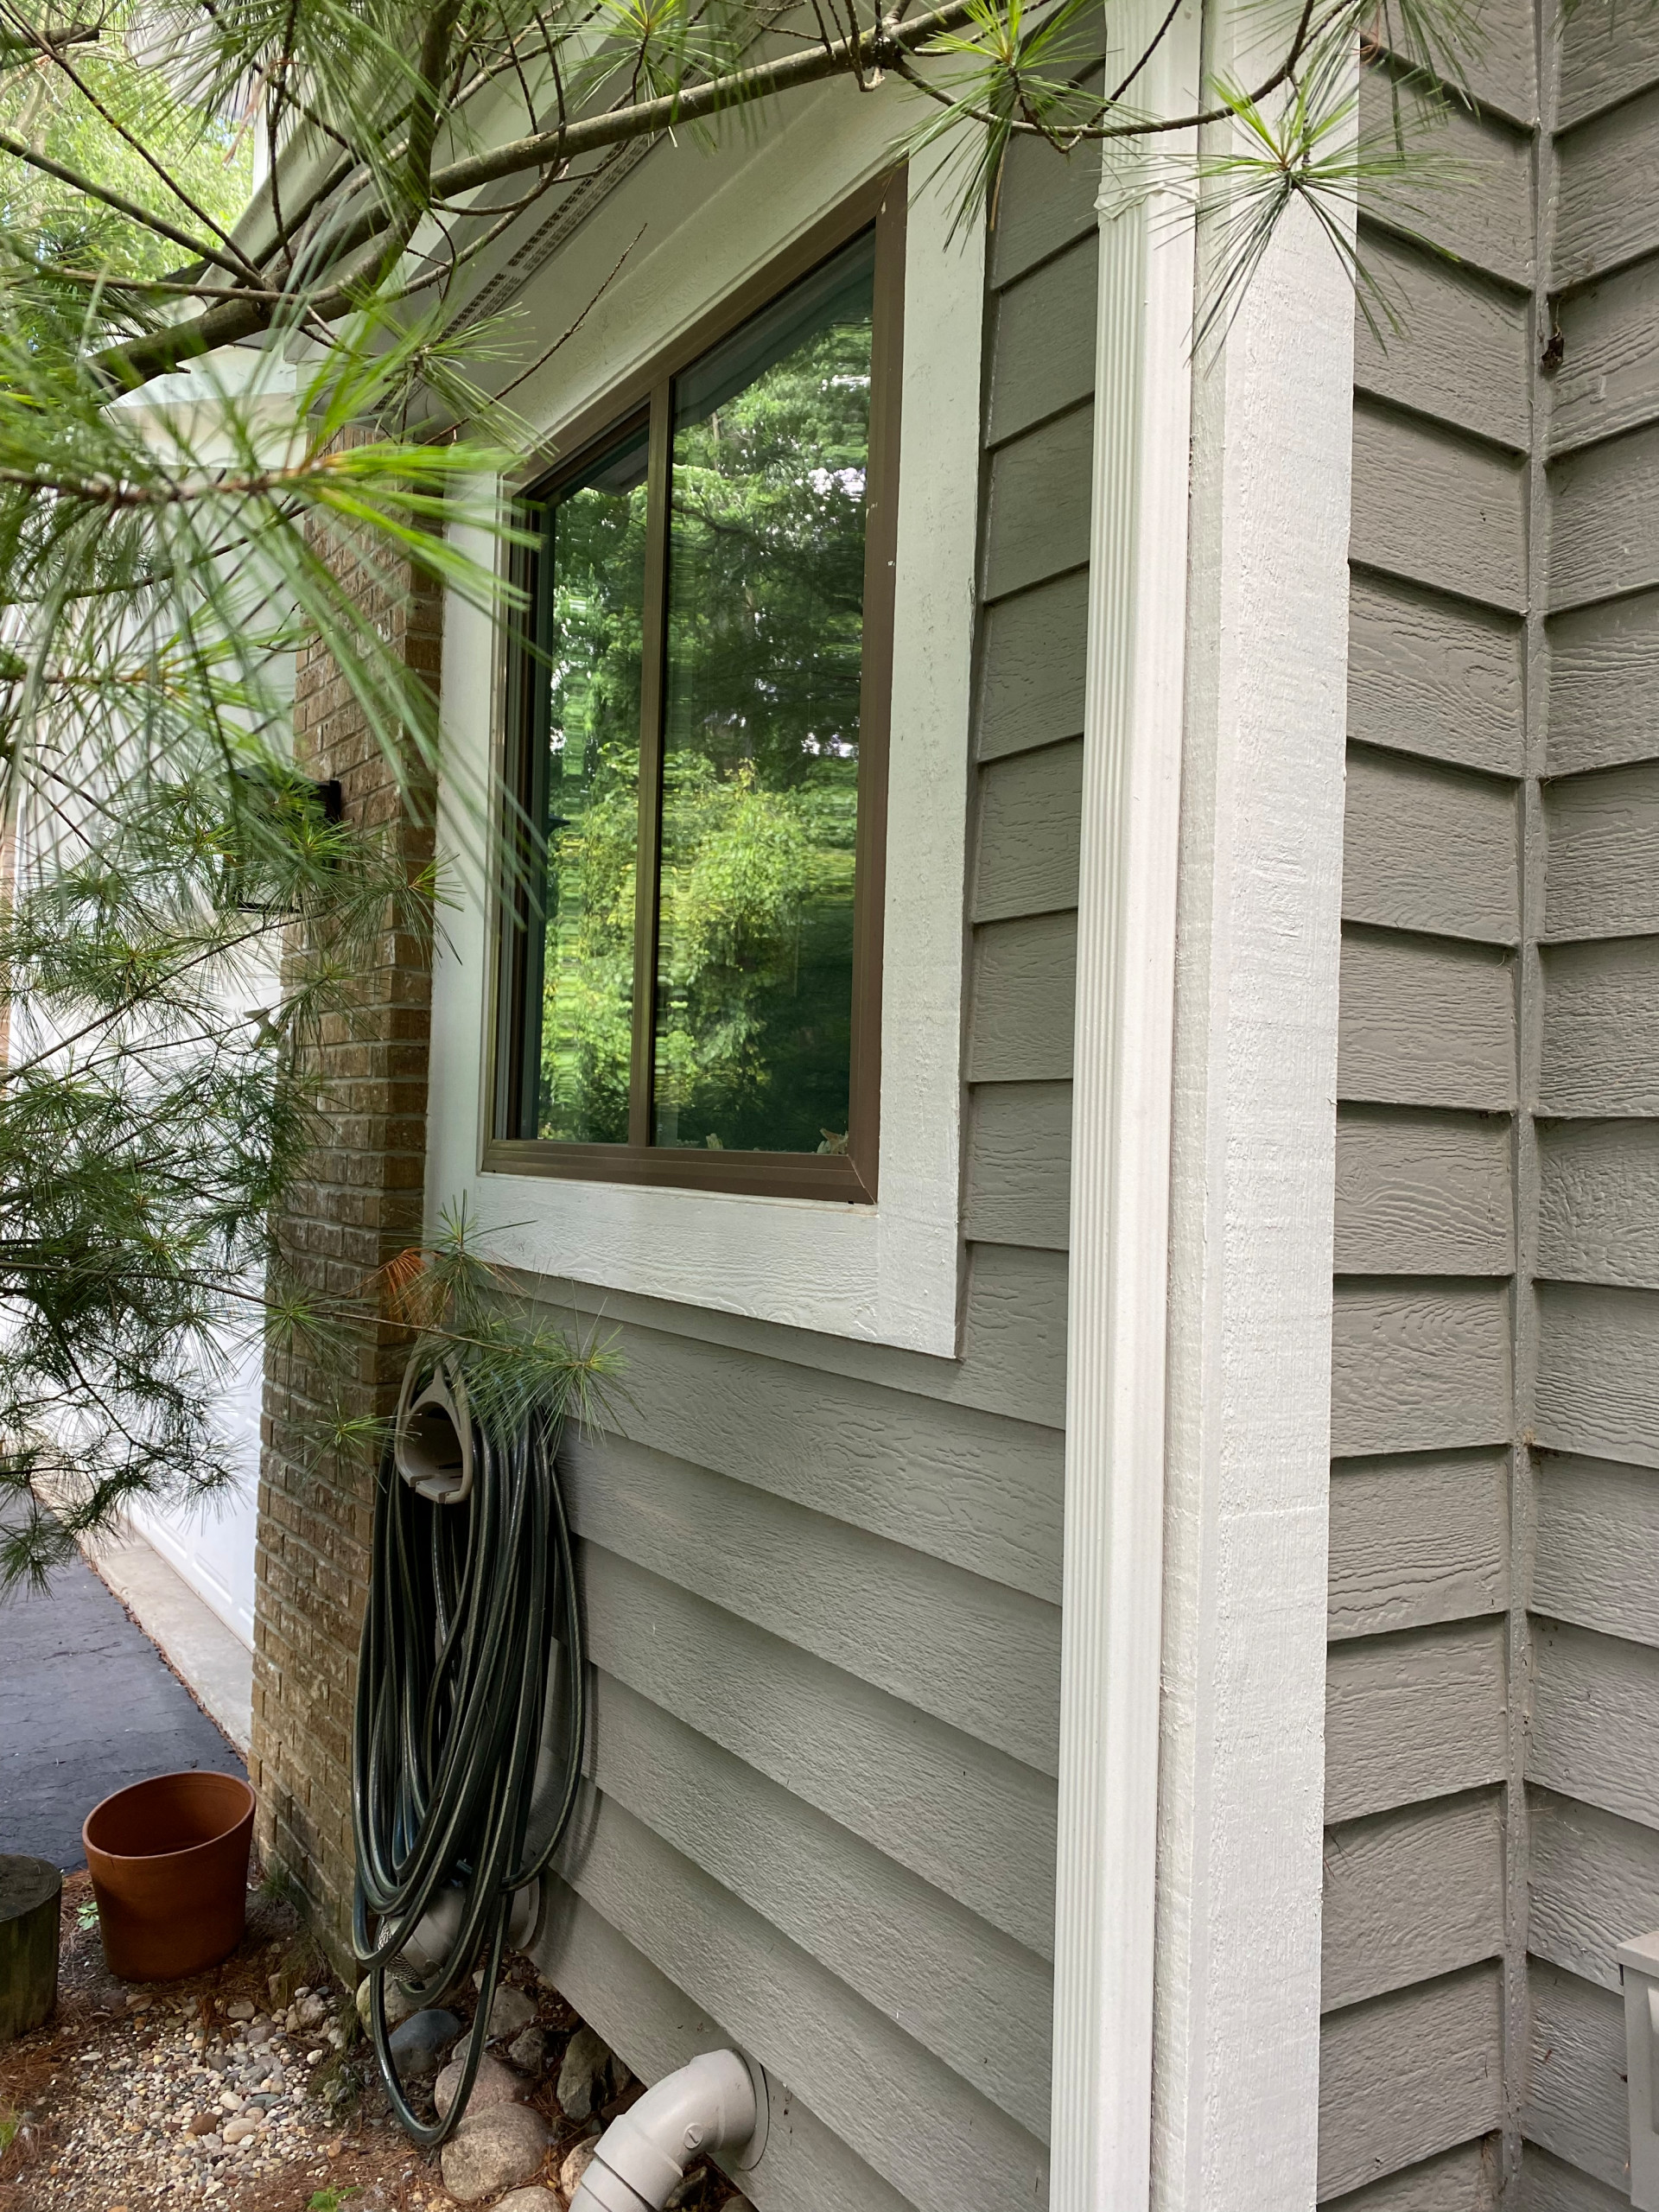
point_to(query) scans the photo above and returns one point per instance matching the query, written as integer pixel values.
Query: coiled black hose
(464, 1604)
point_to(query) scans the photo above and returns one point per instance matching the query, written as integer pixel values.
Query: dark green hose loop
(465, 1605)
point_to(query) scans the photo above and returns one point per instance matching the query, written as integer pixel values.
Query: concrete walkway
(87, 1704)
(212, 1659)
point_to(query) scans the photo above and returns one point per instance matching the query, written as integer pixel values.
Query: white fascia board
(1192, 1775)
(888, 1273)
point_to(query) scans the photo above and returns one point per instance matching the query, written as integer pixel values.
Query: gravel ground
(247, 2089)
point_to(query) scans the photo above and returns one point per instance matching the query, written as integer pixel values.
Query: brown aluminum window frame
(851, 1177)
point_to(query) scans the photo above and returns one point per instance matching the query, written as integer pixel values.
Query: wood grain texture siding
(1032, 666)
(1022, 1001)
(1417, 1541)
(942, 1480)
(1603, 534)
(1411, 1717)
(1599, 1201)
(1484, 220)
(1429, 849)
(1547, 2184)
(1600, 1049)
(1609, 377)
(1438, 508)
(967, 1818)
(1412, 1895)
(1597, 1542)
(657, 2028)
(1421, 1193)
(1014, 1323)
(1607, 54)
(1418, 1368)
(1464, 2180)
(1037, 522)
(1598, 1389)
(1592, 1882)
(1043, 342)
(1576, 2103)
(1430, 676)
(1601, 219)
(1017, 1186)
(1407, 2076)
(1425, 1023)
(1463, 353)
(1604, 691)
(977, 1654)
(1025, 858)
(1047, 202)
(1595, 1720)
(1602, 832)
(975, 1998)
(918, 2123)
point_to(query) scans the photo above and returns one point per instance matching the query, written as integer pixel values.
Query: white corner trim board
(887, 1273)
(1191, 1748)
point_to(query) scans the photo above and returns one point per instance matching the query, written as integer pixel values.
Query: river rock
(496, 2084)
(510, 2011)
(399, 2007)
(493, 2150)
(533, 2199)
(419, 2046)
(527, 2051)
(576, 2163)
(584, 2076)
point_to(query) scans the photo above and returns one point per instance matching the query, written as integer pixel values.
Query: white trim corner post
(1202, 1168)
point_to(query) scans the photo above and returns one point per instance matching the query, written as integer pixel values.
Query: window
(690, 964)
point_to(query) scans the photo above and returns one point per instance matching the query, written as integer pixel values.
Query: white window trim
(887, 1273)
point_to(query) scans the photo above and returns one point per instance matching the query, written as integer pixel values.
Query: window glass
(584, 801)
(760, 740)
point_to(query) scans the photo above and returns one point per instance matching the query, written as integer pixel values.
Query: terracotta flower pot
(169, 1860)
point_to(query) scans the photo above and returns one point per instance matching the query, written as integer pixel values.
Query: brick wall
(359, 1204)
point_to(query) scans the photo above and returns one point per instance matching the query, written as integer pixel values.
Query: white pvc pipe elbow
(642, 2157)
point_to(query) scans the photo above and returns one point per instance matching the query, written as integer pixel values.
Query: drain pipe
(641, 2158)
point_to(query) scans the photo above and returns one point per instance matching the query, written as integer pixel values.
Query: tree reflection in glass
(587, 762)
(766, 585)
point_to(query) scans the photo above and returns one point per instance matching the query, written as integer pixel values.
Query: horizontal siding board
(1604, 689)
(1601, 220)
(1599, 1201)
(1596, 1541)
(657, 2028)
(1485, 219)
(1547, 2184)
(1423, 1193)
(1575, 2087)
(1495, 55)
(1592, 1884)
(1600, 1046)
(1029, 822)
(1022, 1001)
(1463, 352)
(1598, 1390)
(1609, 376)
(1607, 54)
(1411, 1717)
(1429, 849)
(977, 1654)
(1438, 508)
(1412, 1895)
(1425, 1022)
(971, 1821)
(1464, 2180)
(1017, 1186)
(1043, 344)
(1037, 513)
(1431, 677)
(1419, 1367)
(1407, 2076)
(1603, 833)
(1015, 1325)
(1595, 1720)
(1604, 536)
(1047, 202)
(1417, 1541)
(1031, 679)
(984, 1494)
(975, 1998)
(937, 2142)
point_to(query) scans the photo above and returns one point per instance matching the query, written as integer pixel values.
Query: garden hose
(466, 1604)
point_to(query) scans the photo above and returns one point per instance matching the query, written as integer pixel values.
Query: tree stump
(30, 1892)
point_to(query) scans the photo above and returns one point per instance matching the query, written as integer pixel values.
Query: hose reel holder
(432, 1435)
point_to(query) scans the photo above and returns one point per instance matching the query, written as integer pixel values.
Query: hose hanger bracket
(432, 1435)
